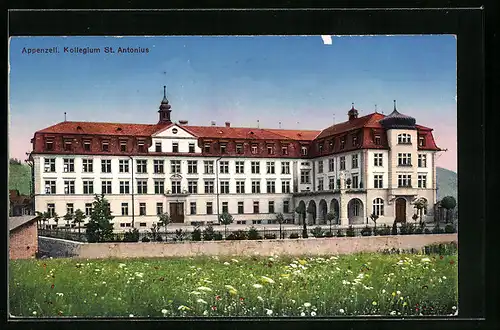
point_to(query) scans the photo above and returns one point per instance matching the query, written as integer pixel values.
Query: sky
(301, 81)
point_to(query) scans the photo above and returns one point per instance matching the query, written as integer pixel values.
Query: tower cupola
(164, 109)
(397, 120)
(353, 113)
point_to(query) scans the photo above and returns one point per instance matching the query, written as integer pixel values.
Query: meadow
(349, 285)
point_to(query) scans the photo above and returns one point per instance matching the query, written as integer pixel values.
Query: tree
(99, 227)
(44, 216)
(69, 218)
(374, 218)
(420, 204)
(226, 219)
(78, 218)
(448, 203)
(164, 220)
(56, 218)
(301, 210)
(280, 219)
(331, 216)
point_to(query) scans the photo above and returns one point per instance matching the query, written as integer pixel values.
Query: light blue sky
(237, 79)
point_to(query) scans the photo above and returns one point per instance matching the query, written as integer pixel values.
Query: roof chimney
(212, 123)
(228, 124)
(183, 122)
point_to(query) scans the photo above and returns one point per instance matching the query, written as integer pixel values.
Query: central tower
(164, 111)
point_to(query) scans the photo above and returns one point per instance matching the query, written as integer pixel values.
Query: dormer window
(157, 146)
(254, 149)
(223, 148)
(49, 144)
(123, 146)
(86, 145)
(320, 147)
(175, 146)
(354, 141)
(191, 148)
(404, 138)
(330, 145)
(239, 148)
(270, 149)
(206, 147)
(140, 146)
(377, 140)
(342, 143)
(68, 145)
(421, 141)
(284, 150)
(105, 146)
(304, 151)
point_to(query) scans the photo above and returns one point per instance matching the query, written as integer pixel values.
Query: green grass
(308, 286)
(19, 178)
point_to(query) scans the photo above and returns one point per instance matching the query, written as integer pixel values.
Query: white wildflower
(302, 314)
(383, 291)
(204, 288)
(269, 312)
(234, 260)
(393, 313)
(227, 263)
(60, 294)
(444, 277)
(260, 298)
(131, 315)
(201, 301)
(307, 305)
(257, 286)
(426, 260)
(454, 308)
(164, 311)
(103, 282)
(230, 287)
(267, 279)
(398, 292)
(122, 265)
(195, 292)
(34, 312)
(313, 313)
(341, 311)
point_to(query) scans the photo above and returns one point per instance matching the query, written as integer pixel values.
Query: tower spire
(394, 105)
(164, 108)
(164, 91)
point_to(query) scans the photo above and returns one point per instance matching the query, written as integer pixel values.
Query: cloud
(327, 40)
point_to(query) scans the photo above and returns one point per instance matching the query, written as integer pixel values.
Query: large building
(371, 164)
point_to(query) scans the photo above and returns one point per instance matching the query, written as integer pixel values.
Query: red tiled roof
(300, 135)
(370, 120)
(83, 127)
(217, 132)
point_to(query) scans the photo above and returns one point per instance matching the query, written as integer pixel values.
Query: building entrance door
(400, 210)
(177, 212)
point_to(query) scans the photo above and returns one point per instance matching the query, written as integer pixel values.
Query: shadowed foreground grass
(362, 284)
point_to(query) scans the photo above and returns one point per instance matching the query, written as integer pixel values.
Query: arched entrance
(335, 209)
(301, 211)
(323, 210)
(355, 211)
(400, 206)
(311, 213)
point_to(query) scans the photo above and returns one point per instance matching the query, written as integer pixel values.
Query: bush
(367, 231)
(350, 232)
(293, 235)
(427, 231)
(196, 234)
(328, 234)
(449, 229)
(159, 238)
(340, 233)
(418, 231)
(217, 236)
(209, 233)
(317, 232)
(394, 230)
(145, 239)
(237, 235)
(437, 230)
(384, 230)
(441, 249)
(270, 236)
(179, 235)
(252, 234)
(406, 229)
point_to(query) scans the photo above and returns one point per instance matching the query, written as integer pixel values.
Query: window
(271, 206)
(159, 208)
(240, 167)
(284, 150)
(223, 148)
(140, 146)
(88, 209)
(192, 208)
(106, 187)
(224, 187)
(123, 146)
(355, 182)
(86, 145)
(320, 166)
(331, 165)
(377, 181)
(49, 165)
(320, 147)
(225, 207)
(209, 166)
(270, 149)
(342, 163)
(124, 187)
(404, 159)
(256, 222)
(141, 166)
(255, 167)
(378, 206)
(68, 146)
(209, 186)
(209, 208)
(331, 183)
(255, 207)
(70, 208)
(105, 146)
(286, 207)
(354, 141)
(404, 138)
(354, 161)
(321, 184)
(49, 145)
(240, 208)
(175, 146)
(285, 167)
(142, 186)
(51, 208)
(142, 224)
(192, 166)
(239, 148)
(240, 187)
(377, 140)
(159, 187)
(193, 186)
(331, 144)
(422, 180)
(106, 165)
(342, 143)
(124, 208)
(271, 186)
(69, 186)
(224, 167)
(175, 166)
(87, 165)
(142, 208)
(255, 187)
(158, 166)
(254, 149)
(206, 147)
(191, 148)
(88, 187)
(305, 177)
(285, 187)
(123, 166)
(68, 165)
(270, 167)
(304, 151)
(158, 146)
(404, 180)
(176, 186)
(422, 160)
(421, 141)
(377, 159)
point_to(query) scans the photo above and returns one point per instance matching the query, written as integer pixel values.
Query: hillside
(19, 178)
(447, 183)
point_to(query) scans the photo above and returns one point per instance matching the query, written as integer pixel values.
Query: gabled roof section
(98, 128)
(371, 120)
(217, 132)
(16, 222)
(298, 135)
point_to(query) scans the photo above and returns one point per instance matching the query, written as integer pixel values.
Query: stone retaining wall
(57, 248)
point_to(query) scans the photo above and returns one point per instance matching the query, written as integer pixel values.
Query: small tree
(331, 216)
(78, 219)
(44, 216)
(164, 220)
(226, 219)
(374, 218)
(448, 203)
(154, 232)
(99, 227)
(420, 204)
(280, 219)
(68, 217)
(56, 218)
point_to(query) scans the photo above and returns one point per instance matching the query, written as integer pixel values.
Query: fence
(180, 235)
